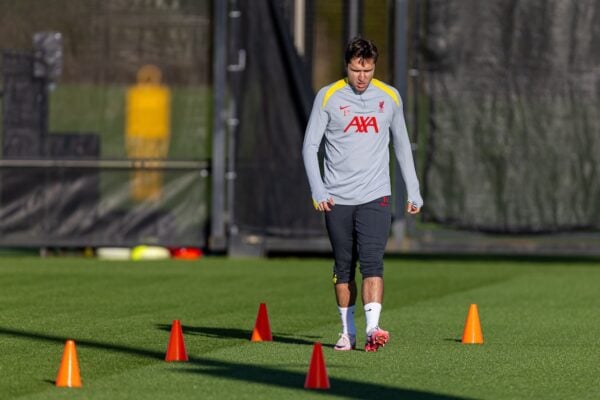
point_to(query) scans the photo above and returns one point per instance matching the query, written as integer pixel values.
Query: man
(355, 116)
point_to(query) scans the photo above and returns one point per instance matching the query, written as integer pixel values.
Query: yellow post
(148, 120)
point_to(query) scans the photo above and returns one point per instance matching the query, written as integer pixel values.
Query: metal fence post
(217, 224)
(399, 73)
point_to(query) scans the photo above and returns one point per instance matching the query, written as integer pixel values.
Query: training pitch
(539, 319)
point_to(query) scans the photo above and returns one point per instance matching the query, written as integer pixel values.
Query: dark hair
(361, 48)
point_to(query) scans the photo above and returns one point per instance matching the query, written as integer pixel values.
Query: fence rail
(204, 166)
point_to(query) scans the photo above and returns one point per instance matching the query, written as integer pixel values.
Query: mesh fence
(329, 43)
(275, 94)
(271, 192)
(514, 89)
(87, 164)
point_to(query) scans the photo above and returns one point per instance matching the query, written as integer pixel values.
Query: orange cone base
(472, 333)
(187, 253)
(262, 328)
(176, 349)
(68, 372)
(317, 378)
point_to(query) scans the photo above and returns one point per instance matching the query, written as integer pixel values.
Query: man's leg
(372, 290)
(340, 227)
(373, 222)
(372, 296)
(345, 294)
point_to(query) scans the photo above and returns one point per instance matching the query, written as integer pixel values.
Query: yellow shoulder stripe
(334, 88)
(386, 89)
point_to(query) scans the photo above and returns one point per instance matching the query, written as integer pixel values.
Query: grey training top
(356, 127)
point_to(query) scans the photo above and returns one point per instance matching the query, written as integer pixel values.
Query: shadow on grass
(295, 380)
(233, 333)
(453, 340)
(244, 372)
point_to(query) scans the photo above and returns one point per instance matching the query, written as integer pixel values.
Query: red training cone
(262, 329)
(176, 350)
(68, 372)
(317, 373)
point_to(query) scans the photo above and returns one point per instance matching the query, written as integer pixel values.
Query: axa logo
(362, 124)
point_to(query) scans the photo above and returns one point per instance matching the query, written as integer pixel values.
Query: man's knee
(343, 274)
(371, 270)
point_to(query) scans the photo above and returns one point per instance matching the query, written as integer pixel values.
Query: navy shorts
(359, 233)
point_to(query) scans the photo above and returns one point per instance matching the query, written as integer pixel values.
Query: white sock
(372, 312)
(347, 317)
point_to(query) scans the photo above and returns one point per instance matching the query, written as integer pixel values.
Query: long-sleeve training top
(357, 129)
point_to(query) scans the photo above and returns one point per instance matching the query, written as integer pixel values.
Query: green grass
(539, 320)
(102, 110)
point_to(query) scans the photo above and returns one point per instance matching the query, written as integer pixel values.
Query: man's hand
(412, 209)
(326, 205)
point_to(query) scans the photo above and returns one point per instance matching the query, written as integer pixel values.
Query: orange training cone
(68, 373)
(472, 333)
(176, 350)
(317, 373)
(262, 329)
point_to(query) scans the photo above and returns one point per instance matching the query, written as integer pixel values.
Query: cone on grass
(472, 333)
(317, 378)
(262, 329)
(68, 372)
(176, 349)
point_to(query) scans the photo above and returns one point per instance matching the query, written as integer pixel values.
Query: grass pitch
(539, 320)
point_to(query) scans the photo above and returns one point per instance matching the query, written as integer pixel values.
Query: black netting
(271, 191)
(68, 68)
(515, 136)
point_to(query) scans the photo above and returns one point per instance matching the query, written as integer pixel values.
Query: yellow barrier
(148, 120)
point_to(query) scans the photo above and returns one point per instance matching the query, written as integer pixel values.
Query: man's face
(360, 72)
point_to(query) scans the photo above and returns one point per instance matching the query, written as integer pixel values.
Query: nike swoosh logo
(344, 107)
(370, 309)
